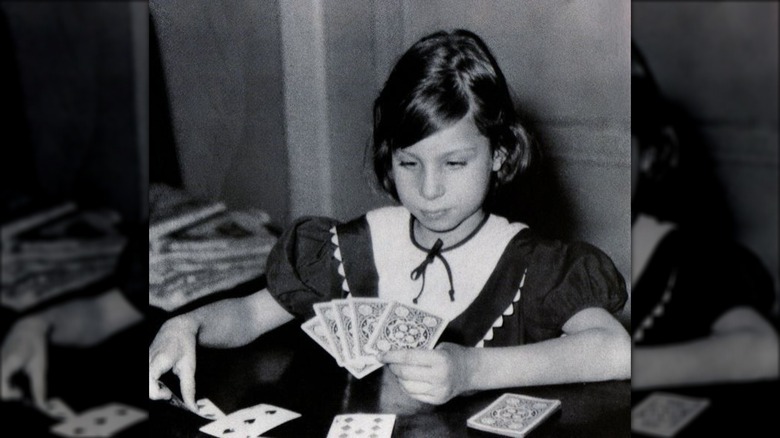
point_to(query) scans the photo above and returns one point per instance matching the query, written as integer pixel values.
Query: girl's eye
(407, 164)
(456, 164)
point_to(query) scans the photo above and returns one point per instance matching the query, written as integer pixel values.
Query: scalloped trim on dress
(337, 255)
(499, 322)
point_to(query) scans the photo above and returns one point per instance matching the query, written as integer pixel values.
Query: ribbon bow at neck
(419, 271)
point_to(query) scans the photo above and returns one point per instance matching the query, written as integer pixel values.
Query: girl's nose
(432, 185)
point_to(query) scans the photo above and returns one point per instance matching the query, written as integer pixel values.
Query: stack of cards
(513, 415)
(355, 330)
(102, 421)
(664, 415)
(362, 426)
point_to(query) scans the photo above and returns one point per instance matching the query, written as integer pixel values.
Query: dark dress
(533, 289)
(689, 283)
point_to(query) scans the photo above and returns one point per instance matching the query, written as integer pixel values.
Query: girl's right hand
(173, 349)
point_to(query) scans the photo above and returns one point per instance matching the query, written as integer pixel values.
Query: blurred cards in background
(48, 251)
(198, 247)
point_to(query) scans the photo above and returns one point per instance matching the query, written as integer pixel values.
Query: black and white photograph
(390, 218)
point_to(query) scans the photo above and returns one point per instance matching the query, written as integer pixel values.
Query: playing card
(208, 410)
(359, 367)
(327, 315)
(404, 327)
(249, 422)
(175, 400)
(316, 330)
(102, 421)
(345, 328)
(57, 409)
(366, 313)
(662, 414)
(362, 426)
(513, 415)
(362, 369)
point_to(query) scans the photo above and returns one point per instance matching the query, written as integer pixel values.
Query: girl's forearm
(590, 355)
(237, 321)
(89, 321)
(731, 357)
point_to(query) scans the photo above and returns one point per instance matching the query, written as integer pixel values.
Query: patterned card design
(406, 327)
(327, 315)
(366, 313)
(662, 414)
(513, 415)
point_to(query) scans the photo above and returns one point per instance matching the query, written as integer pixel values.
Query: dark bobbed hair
(659, 153)
(677, 180)
(442, 78)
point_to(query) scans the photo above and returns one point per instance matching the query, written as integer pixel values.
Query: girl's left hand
(432, 376)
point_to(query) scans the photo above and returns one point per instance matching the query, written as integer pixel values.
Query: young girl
(522, 310)
(698, 298)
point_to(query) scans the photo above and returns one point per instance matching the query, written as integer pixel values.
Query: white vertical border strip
(139, 25)
(306, 107)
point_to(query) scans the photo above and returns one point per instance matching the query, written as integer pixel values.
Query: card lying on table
(249, 422)
(354, 330)
(103, 421)
(57, 409)
(662, 414)
(513, 415)
(362, 426)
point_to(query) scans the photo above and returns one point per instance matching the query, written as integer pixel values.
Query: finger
(427, 398)
(36, 371)
(411, 372)
(415, 387)
(186, 373)
(10, 393)
(159, 364)
(158, 391)
(11, 364)
(8, 369)
(407, 357)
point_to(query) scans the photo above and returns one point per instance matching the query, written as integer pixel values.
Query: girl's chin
(437, 227)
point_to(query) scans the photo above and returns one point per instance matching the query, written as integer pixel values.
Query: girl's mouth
(434, 214)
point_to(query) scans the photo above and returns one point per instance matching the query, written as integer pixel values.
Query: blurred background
(73, 197)
(718, 64)
(269, 104)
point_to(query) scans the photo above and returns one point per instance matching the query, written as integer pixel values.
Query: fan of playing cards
(355, 330)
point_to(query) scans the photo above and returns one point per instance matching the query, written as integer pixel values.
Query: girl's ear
(499, 156)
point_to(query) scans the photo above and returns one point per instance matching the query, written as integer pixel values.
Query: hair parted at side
(659, 154)
(439, 80)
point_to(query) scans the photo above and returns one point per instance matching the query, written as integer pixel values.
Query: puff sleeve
(301, 268)
(567, 278)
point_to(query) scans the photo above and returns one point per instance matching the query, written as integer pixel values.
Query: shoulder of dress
(388, 218)
(390, 212)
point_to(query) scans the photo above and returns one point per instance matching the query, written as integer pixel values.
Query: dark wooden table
(287, 369)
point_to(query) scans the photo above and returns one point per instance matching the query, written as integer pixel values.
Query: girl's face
(443, 180)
